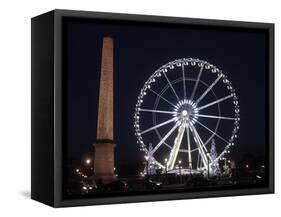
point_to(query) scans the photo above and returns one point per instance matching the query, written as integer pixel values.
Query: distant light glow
(88, 161)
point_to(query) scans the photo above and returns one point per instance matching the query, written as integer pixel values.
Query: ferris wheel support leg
(201, 147)
(189, 148)
(163, 139)
(175, 149)
(198, 160)
(200, 140)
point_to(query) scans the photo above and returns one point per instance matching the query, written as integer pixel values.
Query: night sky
(139, 50)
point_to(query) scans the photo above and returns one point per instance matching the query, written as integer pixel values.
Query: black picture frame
(47, 107)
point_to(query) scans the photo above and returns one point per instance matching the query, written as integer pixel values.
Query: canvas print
(152, 108)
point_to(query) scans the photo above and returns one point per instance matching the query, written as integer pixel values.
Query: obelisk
(104, 146)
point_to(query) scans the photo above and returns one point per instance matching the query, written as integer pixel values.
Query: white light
(184, 112)
(88, 161)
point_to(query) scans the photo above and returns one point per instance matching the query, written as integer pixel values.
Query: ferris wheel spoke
(215, 102)
(215, 117)
(207, 90)
(171, 86)
(175, 150)
(183, 80)
(162, 97)
(164, 139)
(211, 131)
(208, 140)
(197, 82)
(158, 111)
(159, 125)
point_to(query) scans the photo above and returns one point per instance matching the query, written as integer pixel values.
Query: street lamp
(180, 171)
(88, 161)
(180, 167)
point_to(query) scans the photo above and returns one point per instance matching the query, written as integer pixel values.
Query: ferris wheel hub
(186, 111)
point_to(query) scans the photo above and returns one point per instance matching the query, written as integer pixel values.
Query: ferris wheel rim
(214, 69)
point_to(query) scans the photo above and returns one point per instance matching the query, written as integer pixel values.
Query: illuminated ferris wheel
(184, 107)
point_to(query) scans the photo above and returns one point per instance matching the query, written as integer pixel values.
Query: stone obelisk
(104, 146)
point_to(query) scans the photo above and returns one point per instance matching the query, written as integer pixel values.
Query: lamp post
(208, 165)
(166, 169)
(180, 170)
(88, 165)
(147, 169)
(190, 171)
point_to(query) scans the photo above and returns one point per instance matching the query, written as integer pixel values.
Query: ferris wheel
(182, 109)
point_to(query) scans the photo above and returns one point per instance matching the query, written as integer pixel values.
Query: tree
(215, 168)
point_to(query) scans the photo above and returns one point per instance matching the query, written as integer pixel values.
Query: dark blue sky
(140, 49)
